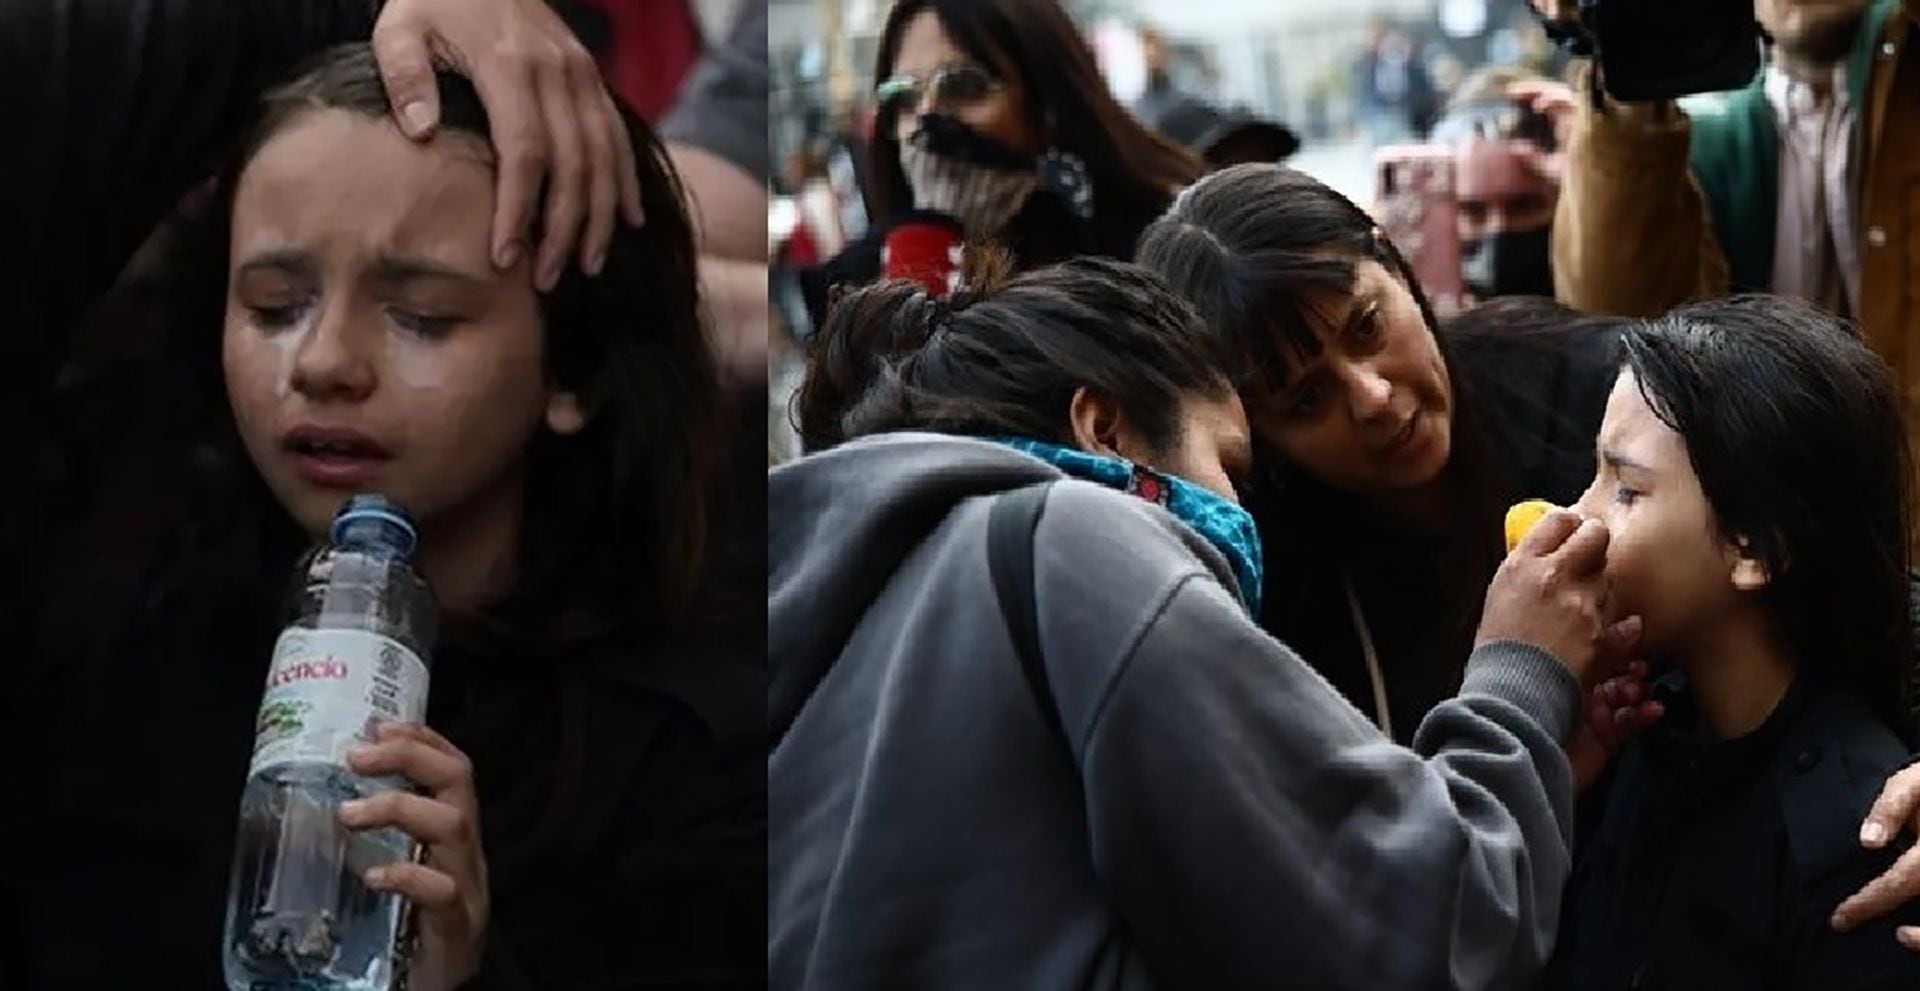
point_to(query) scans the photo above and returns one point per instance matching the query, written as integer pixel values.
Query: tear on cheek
(283, 354)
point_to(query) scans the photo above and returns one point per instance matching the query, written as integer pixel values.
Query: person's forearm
(1250, 823)
(1631, 235)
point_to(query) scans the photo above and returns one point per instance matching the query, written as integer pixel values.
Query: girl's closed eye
(423, 324)
(278, 316)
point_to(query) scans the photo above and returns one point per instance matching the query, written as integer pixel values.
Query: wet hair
(1005, 355)
(1035, 44)
(614, 522)
(1507, 347)
(1795, 430)
(1252, 247)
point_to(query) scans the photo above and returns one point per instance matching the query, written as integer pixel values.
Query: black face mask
(1509, 263)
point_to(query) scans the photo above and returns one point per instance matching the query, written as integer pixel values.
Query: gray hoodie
(1225, 819)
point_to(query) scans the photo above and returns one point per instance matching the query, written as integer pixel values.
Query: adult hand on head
(448, 886)
(1550, 592)
(552, 119)
(1898, 806)
(1617, 707)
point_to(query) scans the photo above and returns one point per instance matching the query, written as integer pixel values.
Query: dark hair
(1541, 371)
(1795, 430)
(613, 526)
(1250, 246)
(614, 519)
(1006, 356)
(1133, 170)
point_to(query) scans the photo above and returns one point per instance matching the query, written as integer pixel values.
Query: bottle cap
(375, 521)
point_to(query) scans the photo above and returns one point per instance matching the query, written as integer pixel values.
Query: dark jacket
(645, 867)
(1538, 401)
(1216, 817)
(1717, 865)
(642, 866)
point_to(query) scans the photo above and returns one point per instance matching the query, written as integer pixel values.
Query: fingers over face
(1549, 533)
(1584, 553)
(505, 84)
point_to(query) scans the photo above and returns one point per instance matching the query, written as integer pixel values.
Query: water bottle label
(328, 689)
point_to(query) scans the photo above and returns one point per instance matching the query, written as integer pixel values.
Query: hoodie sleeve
(1253, 828)
(113, 109)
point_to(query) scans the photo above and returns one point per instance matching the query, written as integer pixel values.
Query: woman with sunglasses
(993, 123)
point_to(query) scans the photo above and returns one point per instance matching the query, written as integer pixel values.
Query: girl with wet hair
(1753, 475)
(589, 788)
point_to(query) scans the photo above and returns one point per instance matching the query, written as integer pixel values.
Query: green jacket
(1734, 155)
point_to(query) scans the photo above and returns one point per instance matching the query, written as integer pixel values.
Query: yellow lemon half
(1522, 517)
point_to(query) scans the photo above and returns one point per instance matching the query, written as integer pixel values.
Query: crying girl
(1753, 475)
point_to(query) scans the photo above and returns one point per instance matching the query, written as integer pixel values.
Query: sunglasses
(951, 86)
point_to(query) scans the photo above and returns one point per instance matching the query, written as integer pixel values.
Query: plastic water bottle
(354, 653)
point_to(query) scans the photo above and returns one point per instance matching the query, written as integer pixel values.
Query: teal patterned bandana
(1224, 523)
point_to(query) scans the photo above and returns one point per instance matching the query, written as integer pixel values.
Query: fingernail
(376, 876)
(596, 261)
(358, 753)
(1840, 920)
(1909, 936)
(510, 255)
(1873, 833)
(352, 812)
(418, 117)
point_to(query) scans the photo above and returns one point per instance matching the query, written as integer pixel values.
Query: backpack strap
(1010, 529)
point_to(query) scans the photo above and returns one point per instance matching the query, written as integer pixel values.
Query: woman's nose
(1369, 394)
